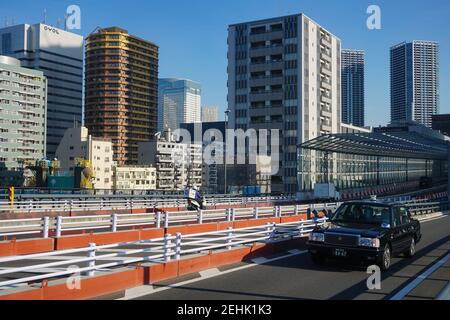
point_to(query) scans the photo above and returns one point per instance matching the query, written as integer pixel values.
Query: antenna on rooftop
(45, 16)
(58, 23)
(65, 21)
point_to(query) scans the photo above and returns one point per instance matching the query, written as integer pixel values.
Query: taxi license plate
(340, 252)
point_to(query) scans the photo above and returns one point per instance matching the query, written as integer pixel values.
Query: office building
(121, 90)
(134, 178)
(59, 55)
(352, 72)
(284, 73)
(210, 114)
(23, 107)
(441, 122)
(205, 133)
(178, 165)
(179, 101)
(415, 81)
(78, 146)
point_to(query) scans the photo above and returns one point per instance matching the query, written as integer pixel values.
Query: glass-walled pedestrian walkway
(390, 155)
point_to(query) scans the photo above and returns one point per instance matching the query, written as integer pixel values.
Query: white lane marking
(445, 293)
(402, 293)
(295, 251)
(260, 260)
(146, 290)
(209, 272)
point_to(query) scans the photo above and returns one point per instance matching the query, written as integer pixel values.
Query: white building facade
(210, 114)
(23, 113)
(178, 165)
(284, 73)
(134, 178)
(78, 144)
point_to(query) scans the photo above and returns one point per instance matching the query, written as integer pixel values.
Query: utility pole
(225, 148)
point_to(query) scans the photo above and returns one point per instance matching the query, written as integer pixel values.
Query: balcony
(326, 42)
(266, 80)
(266, 50)
(266, 35)
(325, 84)
(325, 70)
(325, 98)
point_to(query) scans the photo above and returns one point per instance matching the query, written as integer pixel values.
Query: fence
(73, 205)
(157, 250)
(116, 222)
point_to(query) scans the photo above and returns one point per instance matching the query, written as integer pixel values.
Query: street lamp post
(227, 112)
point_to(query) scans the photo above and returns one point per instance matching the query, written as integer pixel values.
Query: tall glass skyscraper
(59, 55)
(353, 87)
(179, 102)
(415, 81)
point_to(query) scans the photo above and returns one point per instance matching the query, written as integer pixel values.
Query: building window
(6, 43)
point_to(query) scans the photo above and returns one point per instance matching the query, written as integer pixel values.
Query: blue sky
(192, 35)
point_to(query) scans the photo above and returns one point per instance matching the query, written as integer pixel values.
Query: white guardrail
(156, 250)
(116, 222)
(72, 205)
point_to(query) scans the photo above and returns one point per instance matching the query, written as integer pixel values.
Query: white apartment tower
(415, 81)
(284, 73)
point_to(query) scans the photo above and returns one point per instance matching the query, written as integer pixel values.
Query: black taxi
(367, 232)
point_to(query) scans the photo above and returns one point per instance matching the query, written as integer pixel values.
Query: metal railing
(115, 222)
(159, 250)
(73, 205)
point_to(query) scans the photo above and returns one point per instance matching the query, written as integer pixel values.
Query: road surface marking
(445, 293)
(418, 280)
(209, 272)
(260, 260)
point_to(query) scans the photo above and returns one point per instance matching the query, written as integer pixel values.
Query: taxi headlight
(369, 242)
(317, 237)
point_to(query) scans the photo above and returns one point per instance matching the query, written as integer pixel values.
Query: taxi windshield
(362, 213)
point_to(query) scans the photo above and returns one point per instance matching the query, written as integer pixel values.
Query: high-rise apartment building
(121, 90)
(352, 73)
(284, 73)
(210, 114)
(59, 54)
(23, 107)
(179, 101)
(415, 81)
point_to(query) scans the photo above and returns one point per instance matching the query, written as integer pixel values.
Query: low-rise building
(178, 165)
(134, 178)
(78, 144)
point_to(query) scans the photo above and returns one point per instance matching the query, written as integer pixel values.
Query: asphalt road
(296, 277)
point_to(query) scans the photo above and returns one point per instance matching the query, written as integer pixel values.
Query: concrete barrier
(27, 246)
